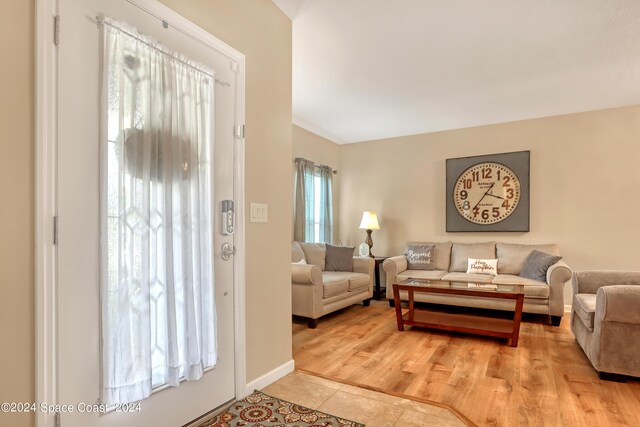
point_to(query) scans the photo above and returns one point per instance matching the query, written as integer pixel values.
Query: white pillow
(302, 261)
(482, 266)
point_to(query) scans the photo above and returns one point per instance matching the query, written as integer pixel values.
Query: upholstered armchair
(315, 291)
(605, 319)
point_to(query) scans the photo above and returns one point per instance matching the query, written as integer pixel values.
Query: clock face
(486, 193)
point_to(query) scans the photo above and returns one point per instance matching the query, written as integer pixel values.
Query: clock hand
(493, 195)
(485, 194)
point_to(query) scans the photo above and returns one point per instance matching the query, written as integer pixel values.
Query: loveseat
(451, 265)
(316, 291)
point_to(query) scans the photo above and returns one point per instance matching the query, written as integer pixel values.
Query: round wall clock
(487, 193)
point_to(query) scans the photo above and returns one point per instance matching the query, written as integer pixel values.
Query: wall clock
(488, 193)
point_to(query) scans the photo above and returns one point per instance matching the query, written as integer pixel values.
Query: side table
(377, 290)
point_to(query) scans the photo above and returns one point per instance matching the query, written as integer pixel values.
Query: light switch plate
(259, 212)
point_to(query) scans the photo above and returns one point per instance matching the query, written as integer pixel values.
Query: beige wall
(584, 185)
(16, 207)
(320, 150)
(262, 32)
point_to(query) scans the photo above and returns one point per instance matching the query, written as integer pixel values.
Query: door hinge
(55, 230)
(56, 30)
(239, 131)
(56, 419)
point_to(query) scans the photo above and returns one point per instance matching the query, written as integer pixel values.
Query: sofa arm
(557, 275)
(618, 303)
(392, 267)
(306, 273)
(588, 282)
(365, 265)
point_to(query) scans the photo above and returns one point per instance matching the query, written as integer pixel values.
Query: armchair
(605, 319)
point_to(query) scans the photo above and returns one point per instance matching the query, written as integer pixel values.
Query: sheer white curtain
(158, 310)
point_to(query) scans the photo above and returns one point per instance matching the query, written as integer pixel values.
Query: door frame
(46, 77)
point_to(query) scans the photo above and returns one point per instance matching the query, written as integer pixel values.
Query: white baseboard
(567, 308)
(268, 378)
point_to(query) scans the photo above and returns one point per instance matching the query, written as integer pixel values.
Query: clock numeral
(485, 214)
(498, 172)
(464, 195)
(505, 204)
(466, 205)
(510, 192)
(476, 176)
(495, 212)
(506, 180)
(486, 173)
(467, 184)
(476, 211)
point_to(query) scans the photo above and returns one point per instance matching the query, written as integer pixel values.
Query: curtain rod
(335, 172)
(101, 21)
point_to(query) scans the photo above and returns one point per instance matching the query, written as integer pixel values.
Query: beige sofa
(605, 318)
(316, 292)
(451, 264)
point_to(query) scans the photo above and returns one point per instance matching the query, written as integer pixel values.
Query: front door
(79, 224)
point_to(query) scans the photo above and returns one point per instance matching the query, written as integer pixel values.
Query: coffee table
(460, 322)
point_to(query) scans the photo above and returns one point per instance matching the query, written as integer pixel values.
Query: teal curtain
(313, 205)
(303, 224)
(326, 209)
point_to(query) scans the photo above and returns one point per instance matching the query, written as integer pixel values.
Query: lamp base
(369, 242)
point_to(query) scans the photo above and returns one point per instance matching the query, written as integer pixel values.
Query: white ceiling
(371, 69)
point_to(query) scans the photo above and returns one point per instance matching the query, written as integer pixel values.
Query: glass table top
(471, 286)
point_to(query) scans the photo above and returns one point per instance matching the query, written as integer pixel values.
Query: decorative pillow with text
(421, 257)
(482, 266)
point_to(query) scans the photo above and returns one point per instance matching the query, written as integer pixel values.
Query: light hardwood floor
(545, 381)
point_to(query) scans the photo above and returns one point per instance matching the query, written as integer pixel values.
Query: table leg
(396, 299)
(517, 317)
(410, 292)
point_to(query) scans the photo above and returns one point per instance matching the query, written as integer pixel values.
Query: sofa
(605, 319)
(317, 291)
(451, 265)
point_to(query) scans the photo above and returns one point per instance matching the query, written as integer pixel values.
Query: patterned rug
(261, 410)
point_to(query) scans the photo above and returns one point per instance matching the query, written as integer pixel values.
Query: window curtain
(158, 309)
(313, 209)
(303, 225)
(326, 209)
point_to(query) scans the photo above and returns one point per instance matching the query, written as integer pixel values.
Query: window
(313, 210)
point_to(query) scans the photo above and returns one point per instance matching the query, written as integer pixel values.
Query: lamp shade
(369, 221)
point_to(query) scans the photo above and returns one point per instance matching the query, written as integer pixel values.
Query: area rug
(261, 410)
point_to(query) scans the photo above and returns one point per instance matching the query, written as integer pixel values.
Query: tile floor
(358, 404)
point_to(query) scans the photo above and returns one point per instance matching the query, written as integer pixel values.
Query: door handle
(228, 250)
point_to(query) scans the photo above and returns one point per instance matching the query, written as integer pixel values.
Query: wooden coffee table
(459, 322)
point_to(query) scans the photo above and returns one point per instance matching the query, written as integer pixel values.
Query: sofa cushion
(421, 274)
(532, 288)
(461, 252)
(334, 283)
(464, 277)
(482, 266)
(357, 281)
(511, 256)
(442, 253)
(585, 307)
(339, 258)
(314, 253)
(421, 257)
(296, 252)
(536, 265)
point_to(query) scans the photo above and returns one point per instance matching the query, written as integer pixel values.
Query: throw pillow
(302, 261)
(339, 258)
(421, 257)
(482, 266)
(536, 265)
